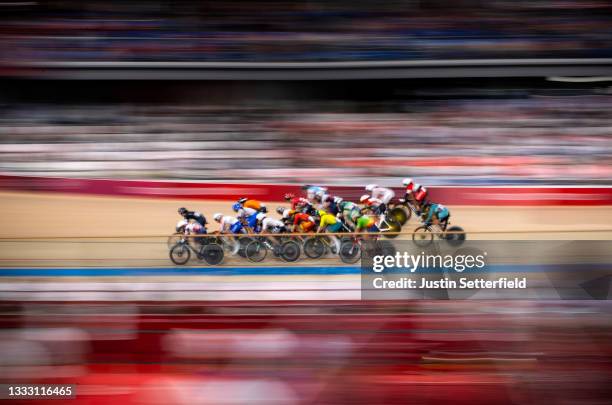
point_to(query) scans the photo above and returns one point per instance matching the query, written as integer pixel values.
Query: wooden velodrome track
(118, 220)
(64, 225)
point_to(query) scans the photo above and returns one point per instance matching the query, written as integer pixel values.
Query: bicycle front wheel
(314, 248)
(180, 254)
(256, 251)
(350, 252)
(422, 236)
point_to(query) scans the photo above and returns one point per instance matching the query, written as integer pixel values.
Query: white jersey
(245, 212)
(383, 194)
(271, 224)
(226, 223)
(194, 228)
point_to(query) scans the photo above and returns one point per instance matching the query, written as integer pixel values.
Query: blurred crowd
(468, 352)
(273, 31)
(535, 139)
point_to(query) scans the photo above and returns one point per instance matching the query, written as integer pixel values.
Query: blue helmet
(236, 207)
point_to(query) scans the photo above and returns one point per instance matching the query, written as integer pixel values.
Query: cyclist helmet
(260, 216)
(242, 200)
(364, 198)
(280, 210)
(407, 181)
(237, 207)
(371, 187)
(217, 217)
(417, 187)
(337, 200)
(319, 195)
(182, 210)
(180, 225)
(289, 196)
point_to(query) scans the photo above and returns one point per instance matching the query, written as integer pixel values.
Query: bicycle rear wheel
(256, 251)
(212, 254)
(456, 237)
(290, 251)
(400, 215)
(392, 228)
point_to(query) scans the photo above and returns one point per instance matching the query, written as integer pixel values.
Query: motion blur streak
(287, 352)
(330, 30)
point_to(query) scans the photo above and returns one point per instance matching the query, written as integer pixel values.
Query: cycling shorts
(252, 221)
(236, 227)
(337, 227)
(443, 214)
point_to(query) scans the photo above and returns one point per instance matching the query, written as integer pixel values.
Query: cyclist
(436, 214)
(253, 204)
(228, 224)
(373, 204)
(195, 228)
(419, 196)
(382, 193)
(270, 225)
(246, 215)
(328, 203)
(303, 222)
(196, 216)
(180, 226)
(349, 212)
(298, 203)
(366, 223)
(311, 191)
(328, 222)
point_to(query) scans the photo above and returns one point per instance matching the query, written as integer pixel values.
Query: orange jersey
(253, 204)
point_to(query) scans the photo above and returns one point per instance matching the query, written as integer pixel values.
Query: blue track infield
(286, 270)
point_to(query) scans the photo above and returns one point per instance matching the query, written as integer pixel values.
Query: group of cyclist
(318, 211)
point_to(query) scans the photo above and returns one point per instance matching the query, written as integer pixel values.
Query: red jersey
(421, 194)
(299, 202)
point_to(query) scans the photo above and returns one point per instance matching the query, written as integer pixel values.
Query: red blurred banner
(452, 195)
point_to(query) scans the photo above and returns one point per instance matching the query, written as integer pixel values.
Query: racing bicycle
(208, 250)
(424, 235)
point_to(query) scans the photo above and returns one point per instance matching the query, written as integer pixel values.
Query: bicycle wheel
(456, 237)
(314, 248)
(385, 248)
(180, 254)
(243, 241)
(174, 239)
(350, 252)
(400, 215)
(256, 251)
(422, 236)
(393, 227)
(212, 254)
(290, 251)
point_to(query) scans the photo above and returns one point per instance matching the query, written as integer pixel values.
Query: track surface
(25, 215)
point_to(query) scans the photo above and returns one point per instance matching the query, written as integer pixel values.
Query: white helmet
(407, 181)
(371, 187)
(337, 200)
(364, 197)
(416, 187)
(181, 224)
(217, 217)
(260, 216)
